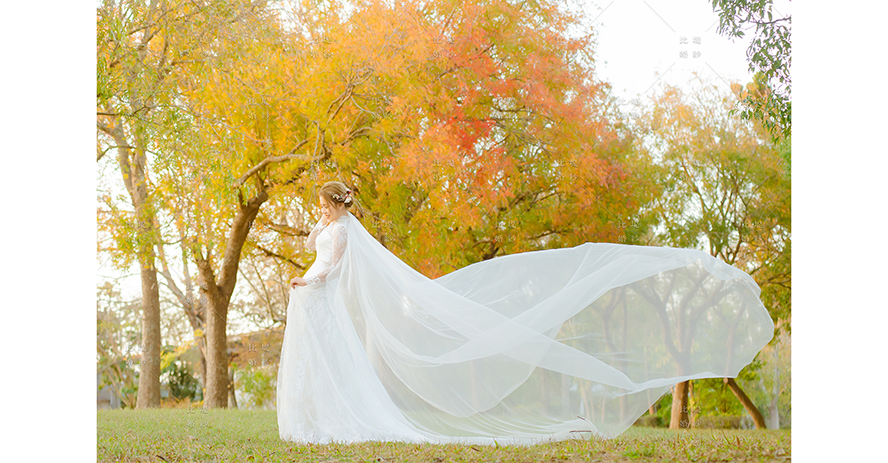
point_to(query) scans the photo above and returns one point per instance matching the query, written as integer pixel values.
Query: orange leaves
(467, 131)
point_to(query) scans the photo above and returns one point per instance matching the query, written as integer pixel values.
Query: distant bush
(718, 422)
(652, 421)
(182, 383)
(256, 383)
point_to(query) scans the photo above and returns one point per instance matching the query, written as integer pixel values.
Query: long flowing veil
(547, 344)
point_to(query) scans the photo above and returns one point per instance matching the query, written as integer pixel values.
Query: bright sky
(640, 41)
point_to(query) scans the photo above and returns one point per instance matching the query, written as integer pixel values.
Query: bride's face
(331, 211)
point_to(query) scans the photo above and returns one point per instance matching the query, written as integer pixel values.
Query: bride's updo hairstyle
(337, 193)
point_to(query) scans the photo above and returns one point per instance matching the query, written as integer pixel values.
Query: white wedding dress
(524, 348)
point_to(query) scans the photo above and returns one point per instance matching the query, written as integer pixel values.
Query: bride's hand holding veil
(299, 281)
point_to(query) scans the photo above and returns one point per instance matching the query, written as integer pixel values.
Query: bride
(525, 348)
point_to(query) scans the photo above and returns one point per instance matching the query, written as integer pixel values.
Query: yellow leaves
(385, 126)
(167, 358)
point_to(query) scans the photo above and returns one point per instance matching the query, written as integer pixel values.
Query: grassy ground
(240, 435)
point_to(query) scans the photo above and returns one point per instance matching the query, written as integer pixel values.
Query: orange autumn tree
(488, 136)
(522, 149)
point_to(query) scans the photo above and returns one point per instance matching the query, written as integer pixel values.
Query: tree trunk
(217, 353)
(545, 392)
(218, 296)
(774, 411)
(747, 404)
(149, 366)
(680, 407)
(587, 404)
(133, 167)
(565, 395)
(232, 397)
(202, 347)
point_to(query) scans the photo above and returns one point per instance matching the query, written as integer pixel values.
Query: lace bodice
(330, 242)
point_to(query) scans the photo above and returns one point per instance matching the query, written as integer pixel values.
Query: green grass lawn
(252, 435)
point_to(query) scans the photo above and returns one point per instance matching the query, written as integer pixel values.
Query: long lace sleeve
(310, 244)
(339, 235)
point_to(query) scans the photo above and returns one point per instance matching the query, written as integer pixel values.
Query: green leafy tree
(725, 191)
(769, 56)
(179, 376)
(119, 333)
(257, 383)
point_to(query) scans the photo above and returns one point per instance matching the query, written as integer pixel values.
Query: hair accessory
(346, 198)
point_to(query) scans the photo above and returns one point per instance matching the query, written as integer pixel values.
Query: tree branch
(270, 253)
(285, 157)
(240, 228)
(280, 228)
